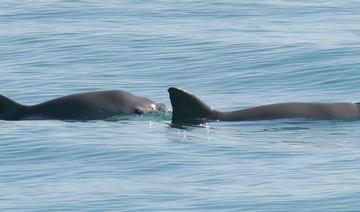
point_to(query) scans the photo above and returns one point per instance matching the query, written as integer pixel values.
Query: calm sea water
(232, 54)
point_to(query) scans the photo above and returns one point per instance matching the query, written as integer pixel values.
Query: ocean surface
(231, 54)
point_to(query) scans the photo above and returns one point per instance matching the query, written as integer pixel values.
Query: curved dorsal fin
(9, 109)
(187, 107)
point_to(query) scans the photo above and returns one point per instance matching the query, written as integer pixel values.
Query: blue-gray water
(232, 54)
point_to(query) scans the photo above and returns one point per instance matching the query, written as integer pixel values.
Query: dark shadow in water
(187, 126)
(268, 125)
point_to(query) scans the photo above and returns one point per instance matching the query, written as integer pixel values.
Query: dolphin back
(189, 108)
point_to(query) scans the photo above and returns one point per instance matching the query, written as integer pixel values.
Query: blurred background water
(232, 54)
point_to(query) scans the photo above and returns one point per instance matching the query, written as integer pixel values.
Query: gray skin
(188, 108)
(84, 106)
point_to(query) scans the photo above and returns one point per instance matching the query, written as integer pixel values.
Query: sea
(231, 54)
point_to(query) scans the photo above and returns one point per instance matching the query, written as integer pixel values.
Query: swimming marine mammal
(82, 106)
(187, 107)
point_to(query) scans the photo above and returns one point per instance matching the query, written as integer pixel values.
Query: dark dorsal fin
(187, 107)
(9, 109)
